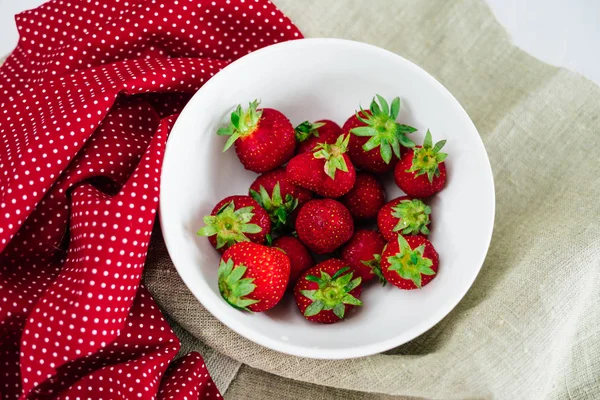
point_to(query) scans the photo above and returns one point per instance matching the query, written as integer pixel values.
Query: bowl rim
(320, 353)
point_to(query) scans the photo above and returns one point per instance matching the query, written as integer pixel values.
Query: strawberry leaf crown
(243, 123)
(278, 208)
(426, 159)
(333, 293)
(230, 225)
(413, 215)
(382, 128)
(375, 265)
(307, 129)
(410, 264)
(233, 287)
(333, 154)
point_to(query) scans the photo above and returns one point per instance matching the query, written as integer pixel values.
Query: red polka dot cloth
(87, 101)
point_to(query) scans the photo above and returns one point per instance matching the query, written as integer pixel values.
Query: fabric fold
(88, 99)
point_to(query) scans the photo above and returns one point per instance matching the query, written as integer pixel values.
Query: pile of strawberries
(321, 204)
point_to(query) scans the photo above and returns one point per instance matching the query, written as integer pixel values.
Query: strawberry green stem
(243, 123)
(232, 287)
(426, 159)
(307, 129)
(333, 293)
(375, 265)
(382, 128)
(413, 215)
(334, 155)
(410, 264)
(230, 225)
(278, 208)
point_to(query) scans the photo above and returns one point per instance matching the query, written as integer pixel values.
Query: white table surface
(561, 32)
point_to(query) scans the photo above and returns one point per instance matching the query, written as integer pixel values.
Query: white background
(561, 32)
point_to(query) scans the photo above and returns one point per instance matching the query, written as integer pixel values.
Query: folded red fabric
(88, 99)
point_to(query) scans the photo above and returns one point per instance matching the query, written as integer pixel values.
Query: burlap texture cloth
(529, 328)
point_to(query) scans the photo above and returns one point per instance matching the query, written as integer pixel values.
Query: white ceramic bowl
(312, 79)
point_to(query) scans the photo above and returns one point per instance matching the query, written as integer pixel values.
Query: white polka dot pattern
(87, 101)
(181, 381)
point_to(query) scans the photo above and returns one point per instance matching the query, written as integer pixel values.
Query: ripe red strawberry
(403, 215)
(363, 253)
(236, 219)
(409, 263)
(264, 138)
(326, 292)
(310, 135)
(253, 277)
(280, 198)
(300, 257)
(366, 197)
(421, 172)
(376, 136)
(328, 171)
(324, 225)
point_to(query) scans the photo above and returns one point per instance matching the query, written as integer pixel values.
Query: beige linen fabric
(529, 326)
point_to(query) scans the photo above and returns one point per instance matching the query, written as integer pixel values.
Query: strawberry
(421, 172)
(253, 277)
(409, 263)
(280, 198)
(264, 138)
(363, 253)
(404, 215)
(327, 171)
(324, 225)
(236, 219)
(376, 136)
(327, 291)
(310, 135)
(300, 257)
(366, 197)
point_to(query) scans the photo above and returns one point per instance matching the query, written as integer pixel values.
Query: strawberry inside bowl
(316, 79)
